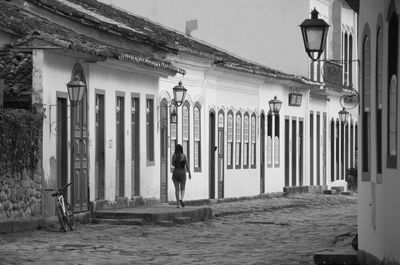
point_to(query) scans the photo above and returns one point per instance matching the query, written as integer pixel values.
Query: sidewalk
(194, 211)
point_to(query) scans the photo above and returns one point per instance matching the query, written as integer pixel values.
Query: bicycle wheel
(70, 217)
(61, 218)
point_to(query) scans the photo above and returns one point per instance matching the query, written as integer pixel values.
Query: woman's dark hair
(178, 149)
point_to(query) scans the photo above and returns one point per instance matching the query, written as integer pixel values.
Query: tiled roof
(123, 24)
(29, 27)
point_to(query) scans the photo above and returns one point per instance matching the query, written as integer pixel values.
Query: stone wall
(20, 195)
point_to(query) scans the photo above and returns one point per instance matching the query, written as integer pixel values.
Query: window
(150, 128)
(350, 83)
(246, 140)
(345, 57)
(269, 140)
(173, 135)
(238, 147)
(393, 46)
(366, 105)
(378, 87)
(186, 130)
(253, 141)
(197, 138)
(276, 142)
(366, 101)
(230, 140)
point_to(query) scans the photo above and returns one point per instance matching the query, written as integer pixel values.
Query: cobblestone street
(287, 230)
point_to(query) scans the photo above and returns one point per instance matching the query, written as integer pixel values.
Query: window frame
(247, 144)
(230, 131)
(253, 144)
(150, 156)
(366, 104)
(186, 105)
(378, 96)
(392, 71)
(238, 142)
(197, 142)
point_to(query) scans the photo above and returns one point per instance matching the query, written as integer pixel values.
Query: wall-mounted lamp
(179, 94)
(275, 105)
(314, 32)
(179, 97)
(76, 88)
(343, 115)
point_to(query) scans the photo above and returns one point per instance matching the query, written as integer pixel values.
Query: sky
(262, 31)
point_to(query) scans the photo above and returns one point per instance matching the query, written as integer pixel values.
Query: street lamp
(275, 105)
(76, 88)
(343, 115)
(179, 94)
(314, 32)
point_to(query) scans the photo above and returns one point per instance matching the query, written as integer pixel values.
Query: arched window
(230, 141)
(197, 137)
(366, 104)
(378, 97)
(393, 46)
(350, 83)
(246, 140)
(346, 62)
(238, 147)
(173, 134)
(186, 130)
(253, 141)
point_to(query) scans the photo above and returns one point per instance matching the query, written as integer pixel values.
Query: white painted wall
(378, 202)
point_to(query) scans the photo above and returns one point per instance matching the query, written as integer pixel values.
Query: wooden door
(221, 171)
(262, 153)
(135, 141)
(287, 162)
(301, 152)
(62, 144)
(79, 154)
(100, 146)
(120, 147)
(164, 151)
(211, 181)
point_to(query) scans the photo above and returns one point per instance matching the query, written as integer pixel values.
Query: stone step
(337, 257)
(118, 221)
(157, 214)
(183, 220)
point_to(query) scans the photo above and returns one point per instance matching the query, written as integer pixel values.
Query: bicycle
(63, 209)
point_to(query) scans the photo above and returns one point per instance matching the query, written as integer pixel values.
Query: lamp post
(76, 88)
(275, 105)
(314, 32)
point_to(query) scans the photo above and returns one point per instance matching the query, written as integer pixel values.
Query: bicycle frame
(63, 209)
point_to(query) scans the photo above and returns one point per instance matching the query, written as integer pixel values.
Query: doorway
(135, 141)
(79, 149)
(262, 153)
(211, 181)
(164, 151)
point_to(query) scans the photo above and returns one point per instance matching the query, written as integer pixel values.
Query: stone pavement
(286, 230)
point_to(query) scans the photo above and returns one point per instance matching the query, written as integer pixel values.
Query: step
(183, 220)
(336, 257)
(118, 221)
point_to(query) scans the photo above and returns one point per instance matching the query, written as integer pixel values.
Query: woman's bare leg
(176, 184)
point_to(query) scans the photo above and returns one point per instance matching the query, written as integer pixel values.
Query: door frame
(212, 149)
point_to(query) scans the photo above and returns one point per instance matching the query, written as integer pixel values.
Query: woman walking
(181, 166)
